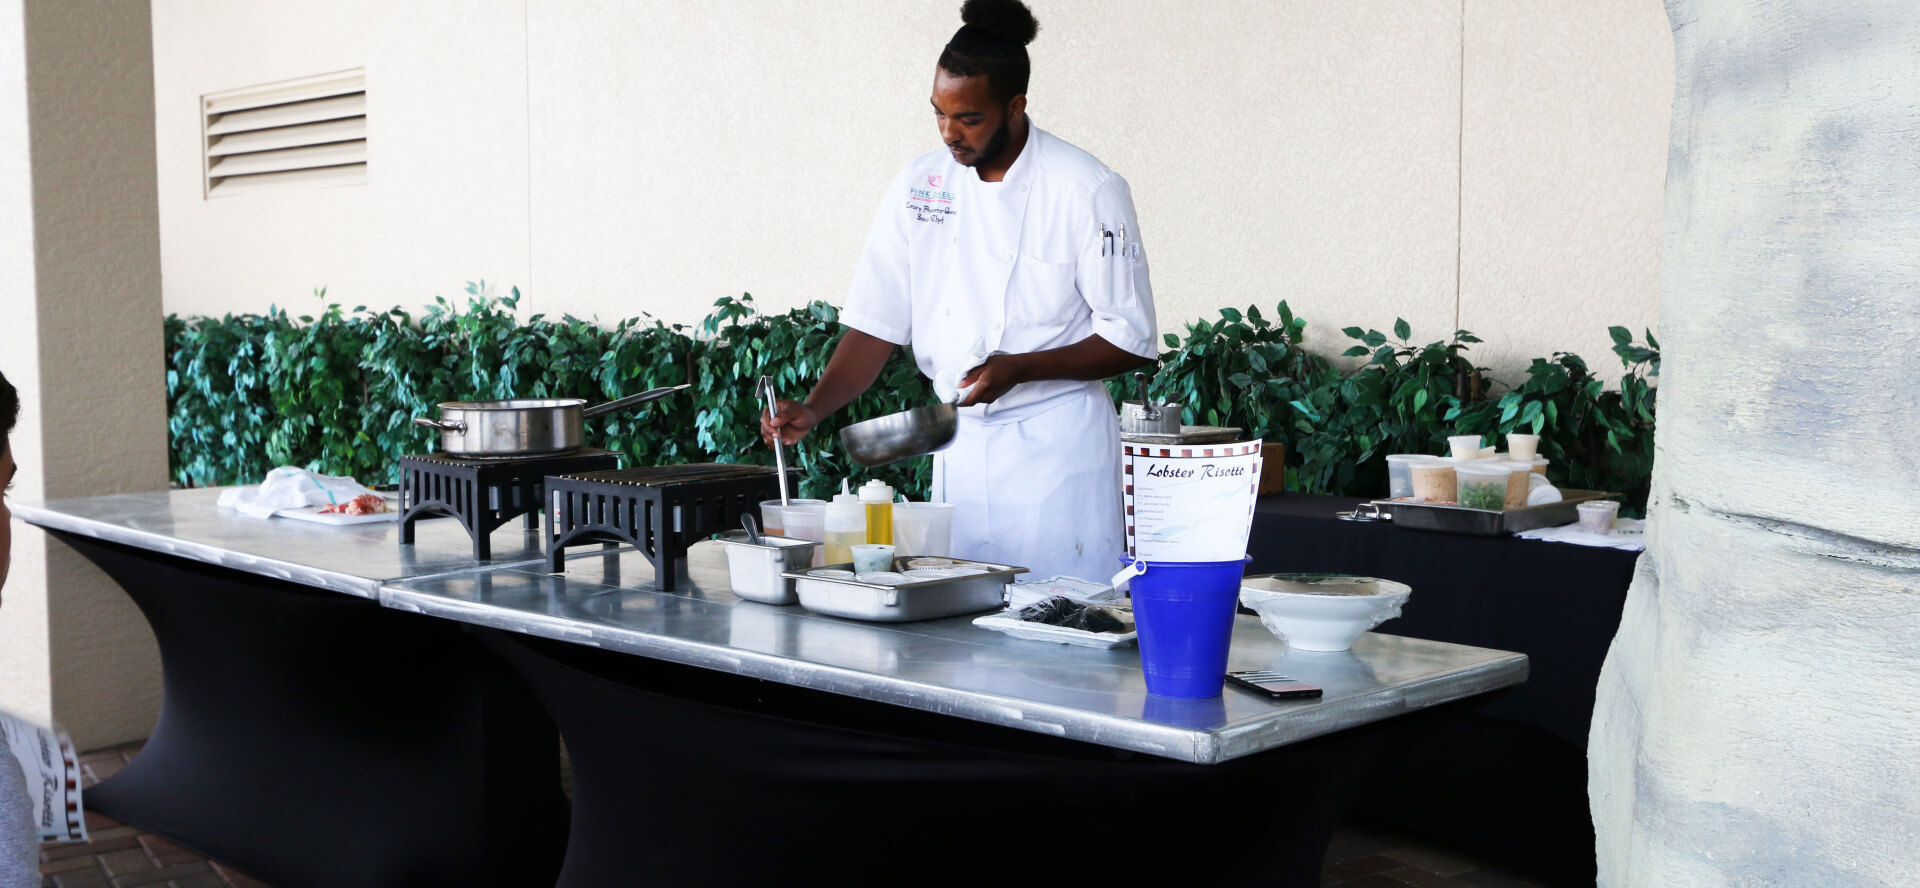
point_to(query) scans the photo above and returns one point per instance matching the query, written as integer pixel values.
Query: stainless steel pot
(523, 426)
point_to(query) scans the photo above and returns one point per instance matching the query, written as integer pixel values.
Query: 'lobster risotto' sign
(1191, 503)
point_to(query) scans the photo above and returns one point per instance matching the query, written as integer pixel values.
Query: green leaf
(1401, 329)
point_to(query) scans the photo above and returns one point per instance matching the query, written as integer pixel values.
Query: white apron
(1045, 258)
(1038, 487)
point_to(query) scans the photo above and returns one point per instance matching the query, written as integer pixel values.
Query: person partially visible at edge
(19, 839)
(1011, 261)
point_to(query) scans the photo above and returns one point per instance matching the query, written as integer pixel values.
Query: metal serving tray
(917, 600)
(1486, 522)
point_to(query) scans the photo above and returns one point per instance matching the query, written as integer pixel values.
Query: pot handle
(631, 400)
(446, 425)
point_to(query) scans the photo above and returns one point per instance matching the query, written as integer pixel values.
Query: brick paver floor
(120, 856)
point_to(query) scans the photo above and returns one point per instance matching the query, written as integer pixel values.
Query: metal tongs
(779, 449)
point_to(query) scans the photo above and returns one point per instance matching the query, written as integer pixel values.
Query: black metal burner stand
(485, 493)
(659, 510)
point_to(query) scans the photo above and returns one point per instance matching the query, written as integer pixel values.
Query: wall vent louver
(311, 132)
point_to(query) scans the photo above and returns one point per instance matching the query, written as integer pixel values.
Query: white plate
(1021, 629)
(312, 513)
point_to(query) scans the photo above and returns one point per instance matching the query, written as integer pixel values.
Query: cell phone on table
(1273, 684)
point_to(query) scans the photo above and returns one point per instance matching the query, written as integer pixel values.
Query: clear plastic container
(846, 527)
(923, 528)
(1519, 482)
(1464, 446)
(773, 521)
(1434, 481)
(1482, 484)
(808, 521)
(872, 557)
(1400, 472)
(1523, 447)
(1597, 517)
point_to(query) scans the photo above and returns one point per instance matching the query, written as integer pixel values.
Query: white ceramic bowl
(1322, 612)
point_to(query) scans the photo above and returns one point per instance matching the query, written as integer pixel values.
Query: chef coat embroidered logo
(930, 204)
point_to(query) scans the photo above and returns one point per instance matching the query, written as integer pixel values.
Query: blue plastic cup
(1184, 613)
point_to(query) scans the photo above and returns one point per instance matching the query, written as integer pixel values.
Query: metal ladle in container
(779, 449)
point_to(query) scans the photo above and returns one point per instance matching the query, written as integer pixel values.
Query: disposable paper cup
(1184, 611)
(1523, 447)
(923, 528)
(1464, 446)
(872, 557)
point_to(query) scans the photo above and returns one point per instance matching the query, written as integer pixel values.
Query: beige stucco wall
(618, 158)
(79, 287)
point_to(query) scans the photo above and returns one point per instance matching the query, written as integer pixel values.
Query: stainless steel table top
(608, 599)
(353, 559)
(949, 666)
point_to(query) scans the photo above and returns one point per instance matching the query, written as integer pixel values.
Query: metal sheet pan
(905, 602)
(1486, 522)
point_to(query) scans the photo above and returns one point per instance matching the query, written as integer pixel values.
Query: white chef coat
(958, 267)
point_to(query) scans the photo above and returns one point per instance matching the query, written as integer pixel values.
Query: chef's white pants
(1038, 486)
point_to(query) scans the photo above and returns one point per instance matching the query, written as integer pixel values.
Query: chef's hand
(992, 379)
(791, 419)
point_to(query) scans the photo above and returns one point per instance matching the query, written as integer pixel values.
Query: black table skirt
(314, 739)
(686, 776)
(1509, 781)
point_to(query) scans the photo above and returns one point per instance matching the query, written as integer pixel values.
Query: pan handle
(446, 425)
(631, 400)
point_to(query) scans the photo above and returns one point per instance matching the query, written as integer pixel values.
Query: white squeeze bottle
(846, 525)
(877, 497)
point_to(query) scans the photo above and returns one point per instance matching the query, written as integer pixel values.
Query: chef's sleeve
(880, 302)
(1112, 273)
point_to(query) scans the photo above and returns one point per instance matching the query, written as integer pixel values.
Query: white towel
(1627, 534)
(288, 487)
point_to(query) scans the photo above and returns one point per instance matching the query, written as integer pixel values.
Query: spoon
(752, 527)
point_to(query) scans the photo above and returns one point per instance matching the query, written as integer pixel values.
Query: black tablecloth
(1519, 765)
(315, 739)
(688, 776)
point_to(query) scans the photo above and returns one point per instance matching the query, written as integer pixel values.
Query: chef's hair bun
(1008, 20)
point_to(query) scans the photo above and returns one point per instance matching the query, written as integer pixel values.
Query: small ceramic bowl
(1322, 612)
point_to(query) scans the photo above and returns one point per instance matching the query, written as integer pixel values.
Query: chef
(1011, 261)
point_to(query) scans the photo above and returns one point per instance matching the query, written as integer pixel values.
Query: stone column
(1758, 720)
(80, 335)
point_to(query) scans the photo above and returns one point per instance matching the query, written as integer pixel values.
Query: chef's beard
(996, 145)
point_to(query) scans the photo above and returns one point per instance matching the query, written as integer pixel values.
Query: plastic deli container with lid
(1400, 472)
(923, 528)
(1482, 484)
(1519, 482)
(1434, 481)
(773, 516)
(1597, 517)
(807, 521)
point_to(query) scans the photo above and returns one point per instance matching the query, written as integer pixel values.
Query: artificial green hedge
(337, 392)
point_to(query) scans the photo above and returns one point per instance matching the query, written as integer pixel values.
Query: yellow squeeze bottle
(878, 498)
